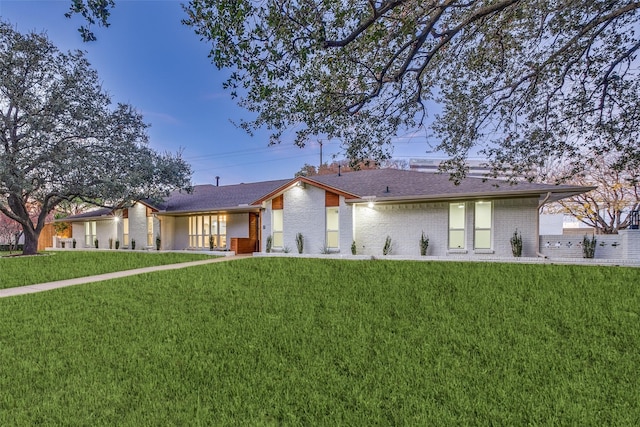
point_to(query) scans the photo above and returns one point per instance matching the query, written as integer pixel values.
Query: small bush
(210, 243)
(269, 244)
(133, 244)
(589, 247)
(424, 244)
(158, 243)
(110, 242)
(354, 249)
(300, 242)
(516, 244)
(95, 243)
(117, 244)
(387, 249)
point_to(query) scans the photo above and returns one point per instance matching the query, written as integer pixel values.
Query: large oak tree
(61, 139)
(522, 80)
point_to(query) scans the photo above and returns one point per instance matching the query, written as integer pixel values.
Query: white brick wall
(304, 212)
(404, 223)
(625, 245)
(138, 225)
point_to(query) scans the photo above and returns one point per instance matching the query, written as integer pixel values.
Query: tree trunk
(30, 242)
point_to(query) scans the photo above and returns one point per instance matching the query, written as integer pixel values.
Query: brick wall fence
(624, 245)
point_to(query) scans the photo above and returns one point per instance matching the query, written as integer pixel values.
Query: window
(89, 233)
(277, 228)
(483, 220)
(203, 228)
(333, 231)
(149, 231)
(456, 225)
(125, 231)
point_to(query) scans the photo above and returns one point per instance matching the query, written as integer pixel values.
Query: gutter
(540, 205)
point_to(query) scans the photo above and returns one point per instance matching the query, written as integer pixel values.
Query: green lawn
(51, 266)
(275, 341)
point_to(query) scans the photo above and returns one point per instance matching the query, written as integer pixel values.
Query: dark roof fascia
(560, 192)
(233, 209)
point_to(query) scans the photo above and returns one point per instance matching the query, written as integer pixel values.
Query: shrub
(300, 242)
(269, 244)
(353, 248)
(74, 243)
(158, 243)
(117, 243)
(110, 242)
(210, 243)
(95, 243)
(387, 249)
(133, 244)
(516, 244)
(588, 246)
(424, 244)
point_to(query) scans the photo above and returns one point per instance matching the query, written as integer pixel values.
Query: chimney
(217, 181)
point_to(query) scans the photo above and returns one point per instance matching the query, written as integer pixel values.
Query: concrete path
(30, 289)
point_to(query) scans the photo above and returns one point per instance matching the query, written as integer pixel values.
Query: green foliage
(69, 128)
(95, 243)
(354, 248)
(110, 242)
(133, 244)
(300, 242)
(387, 249)
(158, 242)
(117, 244)
(269, 244)
(516, 244)
(276, 342)
(589, 246)
(74, 243)
(424, 244)
(210, 243)
(536, 75)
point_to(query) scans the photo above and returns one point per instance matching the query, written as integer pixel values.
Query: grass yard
(60, 265)
(276, 341)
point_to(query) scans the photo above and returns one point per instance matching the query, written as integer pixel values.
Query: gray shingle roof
(384, 184)
(402, 184)
(210, 197)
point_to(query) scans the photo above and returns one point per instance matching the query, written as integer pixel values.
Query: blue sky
(149, 59)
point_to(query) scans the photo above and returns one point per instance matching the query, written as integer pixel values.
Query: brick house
(476, 217)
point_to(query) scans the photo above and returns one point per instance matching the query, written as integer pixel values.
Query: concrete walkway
(30, 289)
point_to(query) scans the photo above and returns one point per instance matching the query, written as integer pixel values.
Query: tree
(10, 232)
(518, 80)
(607, 207)
(61, 140)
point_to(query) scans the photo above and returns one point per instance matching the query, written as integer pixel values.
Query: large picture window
(483, 225)
(457, 220)
(89, 233)
(333, 230)
(205, 228)
(277, 227)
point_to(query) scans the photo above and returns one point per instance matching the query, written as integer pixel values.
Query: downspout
(540, 205)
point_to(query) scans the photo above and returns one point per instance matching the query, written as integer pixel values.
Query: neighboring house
(477, 217)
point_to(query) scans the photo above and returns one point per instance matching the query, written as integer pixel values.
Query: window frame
(332, 231)
(457, 230)
(483, 228)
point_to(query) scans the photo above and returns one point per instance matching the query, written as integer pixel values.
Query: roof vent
(339, 167)
(387, 190)
(217, 181)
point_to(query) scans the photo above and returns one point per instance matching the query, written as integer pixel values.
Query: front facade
(358, 211)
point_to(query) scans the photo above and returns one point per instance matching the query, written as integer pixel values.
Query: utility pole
(320, 142)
